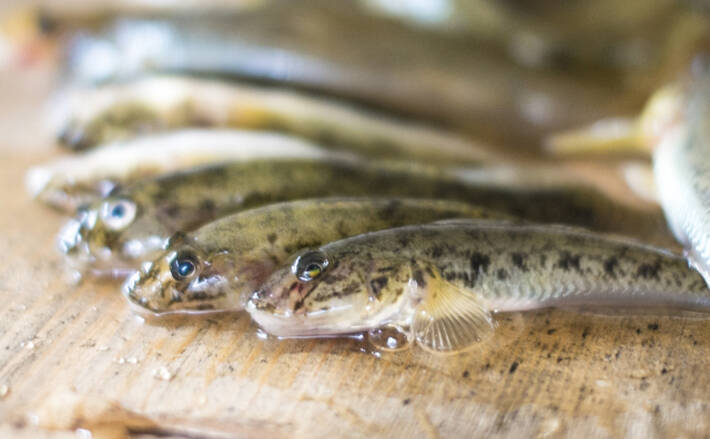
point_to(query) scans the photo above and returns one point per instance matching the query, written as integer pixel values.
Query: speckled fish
(442, 283)
(219, 265)
(134, 221)
(87, 117)
(71, 181)
(376, 62)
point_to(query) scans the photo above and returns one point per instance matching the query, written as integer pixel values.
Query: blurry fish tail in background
(622, 136)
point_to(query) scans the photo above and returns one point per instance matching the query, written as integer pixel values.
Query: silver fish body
(681, 167)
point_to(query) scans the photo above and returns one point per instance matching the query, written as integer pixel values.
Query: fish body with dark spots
(185, 200)
(447, 301)
(229, 258)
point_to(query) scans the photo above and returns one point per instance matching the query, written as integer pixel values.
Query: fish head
(323, 292)
(108, 235)
(184, 278)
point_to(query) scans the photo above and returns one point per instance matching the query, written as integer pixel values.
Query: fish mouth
(139, 289)
(288, 324)
(73, 243)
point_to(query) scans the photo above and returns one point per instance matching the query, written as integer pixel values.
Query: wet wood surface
(75, 359)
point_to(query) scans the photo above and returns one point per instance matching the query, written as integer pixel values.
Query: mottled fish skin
(89, 117)
(235, 254)
(71, 181)
(380, 278)
(681, 166)
(185, 200)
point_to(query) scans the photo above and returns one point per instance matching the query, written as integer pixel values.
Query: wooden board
(77, 359)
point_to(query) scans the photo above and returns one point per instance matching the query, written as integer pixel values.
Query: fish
(133, 221)
(441, 284)
(673, 131)
(72, 181)
(681, 167)
(89, 117)
(376, 63)
(217, 267)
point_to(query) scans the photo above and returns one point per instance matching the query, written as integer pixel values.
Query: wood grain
(75, 357)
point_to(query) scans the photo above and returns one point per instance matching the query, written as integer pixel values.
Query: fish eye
(310, 265)
(118, 214)
(184, 265)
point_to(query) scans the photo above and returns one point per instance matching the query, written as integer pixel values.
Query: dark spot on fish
(519, 261)
(479, 263)
(208, 207)
(543, 259)
(648, 271)
(403, 240)
(418, 277)
(172, 210)
(437, 251)
(204, 306)
(568, 261)
(653, 326)
(378, 284)
(610, 265)
(513, 367)
(330, 280)
(271, 237)
(502, 274)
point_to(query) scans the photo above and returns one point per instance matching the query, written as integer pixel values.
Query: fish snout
(144, 290)
(71, 237)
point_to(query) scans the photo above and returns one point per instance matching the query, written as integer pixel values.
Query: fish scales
(233, 255)
(534, 265)
(185, 200)
(457, 274)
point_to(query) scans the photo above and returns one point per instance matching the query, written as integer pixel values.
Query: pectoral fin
(449, 319)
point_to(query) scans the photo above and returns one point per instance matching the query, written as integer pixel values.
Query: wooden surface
(75, 359)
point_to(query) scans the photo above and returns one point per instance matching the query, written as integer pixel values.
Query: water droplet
(388, 338)
(83, 433)
(102, 348)
(4, 390)
(261, 334)
(162, 373)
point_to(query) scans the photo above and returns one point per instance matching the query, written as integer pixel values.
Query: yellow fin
(607, 136)
(449, 319)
